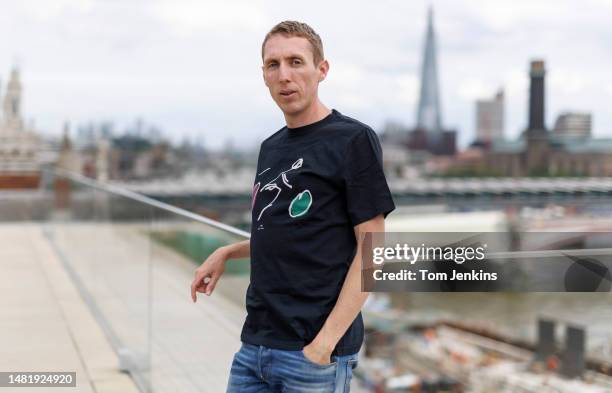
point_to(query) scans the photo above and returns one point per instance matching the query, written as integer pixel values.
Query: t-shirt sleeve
(367, 191)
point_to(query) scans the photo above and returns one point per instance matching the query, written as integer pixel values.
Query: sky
(192, 68)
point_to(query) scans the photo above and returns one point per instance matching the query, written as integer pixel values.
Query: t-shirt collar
(308, 127)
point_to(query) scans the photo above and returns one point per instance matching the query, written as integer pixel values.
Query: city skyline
(156, 62)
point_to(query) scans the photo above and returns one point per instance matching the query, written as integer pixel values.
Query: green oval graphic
(300, 204)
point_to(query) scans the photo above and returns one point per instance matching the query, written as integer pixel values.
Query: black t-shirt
(312, 186)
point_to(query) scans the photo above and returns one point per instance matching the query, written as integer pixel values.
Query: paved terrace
(45, 325)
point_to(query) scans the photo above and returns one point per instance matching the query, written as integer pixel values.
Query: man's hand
(207, 275)
(209, 272)
(318, 353)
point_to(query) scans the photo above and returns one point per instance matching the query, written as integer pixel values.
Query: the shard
(429, 114)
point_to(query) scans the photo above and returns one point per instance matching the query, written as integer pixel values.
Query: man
(319, 185)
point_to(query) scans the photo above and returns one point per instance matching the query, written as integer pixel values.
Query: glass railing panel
(103, 240)
(193, 343)
(133, 260)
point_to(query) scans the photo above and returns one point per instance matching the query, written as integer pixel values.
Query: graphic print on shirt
(273, 189)
(300, 204)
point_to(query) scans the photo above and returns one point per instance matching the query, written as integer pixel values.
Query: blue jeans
(258, 369)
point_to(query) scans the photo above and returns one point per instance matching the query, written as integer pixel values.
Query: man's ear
(323, 70)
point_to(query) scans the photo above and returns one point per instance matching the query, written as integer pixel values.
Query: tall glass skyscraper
(429, 112)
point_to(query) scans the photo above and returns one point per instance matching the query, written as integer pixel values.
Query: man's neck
(317, 112)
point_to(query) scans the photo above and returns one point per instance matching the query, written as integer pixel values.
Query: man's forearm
(348, 305)
(351, 298)
(237, 250)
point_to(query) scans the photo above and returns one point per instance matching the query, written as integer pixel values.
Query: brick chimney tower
(536, 156)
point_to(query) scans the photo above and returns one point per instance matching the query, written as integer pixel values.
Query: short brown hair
(291, 28)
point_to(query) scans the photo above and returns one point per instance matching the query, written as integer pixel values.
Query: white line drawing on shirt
(255, 191)
(273, 187)
(264, 171)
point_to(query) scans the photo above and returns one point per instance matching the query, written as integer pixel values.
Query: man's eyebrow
(291, 56)
(270, 60)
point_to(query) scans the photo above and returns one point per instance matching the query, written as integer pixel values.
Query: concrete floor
(45, 325)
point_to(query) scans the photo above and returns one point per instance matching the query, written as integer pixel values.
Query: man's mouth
(287, 93)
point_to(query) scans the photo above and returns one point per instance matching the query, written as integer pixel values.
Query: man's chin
(290, 109)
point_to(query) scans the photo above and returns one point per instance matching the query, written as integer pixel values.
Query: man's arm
(214, 266)
(238, 250)
(349, 303)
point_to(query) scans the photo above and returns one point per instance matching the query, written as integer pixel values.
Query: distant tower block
(573, 363)
(546, 340)
(429, 114)
(573, 124)
(490, 118)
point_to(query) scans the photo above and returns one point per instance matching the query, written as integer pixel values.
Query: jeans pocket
(322, 366)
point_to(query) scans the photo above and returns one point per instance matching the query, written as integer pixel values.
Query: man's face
(290, 73)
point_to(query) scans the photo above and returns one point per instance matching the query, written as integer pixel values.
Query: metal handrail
(147, 200)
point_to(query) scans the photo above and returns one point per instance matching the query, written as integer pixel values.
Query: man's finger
(193, 291)
(211, 285)
(199, 285)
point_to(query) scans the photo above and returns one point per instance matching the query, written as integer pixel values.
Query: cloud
(473, 89)
(52, 10)
(408, 88)
(193, 66)
(568, 82)
(188, 17)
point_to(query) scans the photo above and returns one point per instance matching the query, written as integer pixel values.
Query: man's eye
(297, 61)
(272, 65)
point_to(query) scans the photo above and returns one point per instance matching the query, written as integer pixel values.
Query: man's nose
(284, 73)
